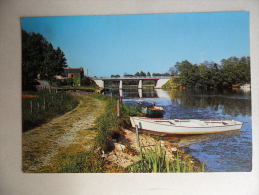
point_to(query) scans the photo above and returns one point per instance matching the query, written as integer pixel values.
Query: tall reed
(154, 160)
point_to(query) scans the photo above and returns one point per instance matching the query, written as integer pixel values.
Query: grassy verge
(39, 107)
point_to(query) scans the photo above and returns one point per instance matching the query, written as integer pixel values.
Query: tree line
(141, 74)
(229, 72)
(39, 59)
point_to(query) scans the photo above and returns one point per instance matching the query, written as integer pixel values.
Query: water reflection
(131, 92)
(187, 140)
(228, 102)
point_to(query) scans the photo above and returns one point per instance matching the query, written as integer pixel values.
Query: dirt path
(41, 144)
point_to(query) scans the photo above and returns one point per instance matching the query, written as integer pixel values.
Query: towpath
(41, 144)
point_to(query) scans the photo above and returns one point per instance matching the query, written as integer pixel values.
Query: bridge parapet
(160, 80)
(131, 78)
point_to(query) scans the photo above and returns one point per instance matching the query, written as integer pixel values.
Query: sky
(118, 44)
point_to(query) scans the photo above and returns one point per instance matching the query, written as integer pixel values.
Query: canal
(222, 152)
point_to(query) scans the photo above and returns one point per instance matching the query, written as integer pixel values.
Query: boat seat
(166, 122)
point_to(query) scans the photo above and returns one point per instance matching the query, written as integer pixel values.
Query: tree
(142, 74)
(231, 71)
(39, 58)
(137, 74)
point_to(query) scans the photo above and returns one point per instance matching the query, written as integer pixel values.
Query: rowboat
(185, 126)
(150, 109)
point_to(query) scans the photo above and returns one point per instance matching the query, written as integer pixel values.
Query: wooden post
(118, 108)
(138, 142)
(44, 104)
(31, 105)
(137, 136)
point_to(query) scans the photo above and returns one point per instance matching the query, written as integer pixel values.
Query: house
(76, 74)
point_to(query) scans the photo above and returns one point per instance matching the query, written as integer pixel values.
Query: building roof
(73, 70)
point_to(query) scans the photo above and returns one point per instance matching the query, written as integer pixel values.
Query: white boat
(185, 126)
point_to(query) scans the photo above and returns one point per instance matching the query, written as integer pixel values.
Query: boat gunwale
(190, 133)
(143, 119)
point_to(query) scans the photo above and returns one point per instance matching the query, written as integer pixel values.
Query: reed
(154, 160)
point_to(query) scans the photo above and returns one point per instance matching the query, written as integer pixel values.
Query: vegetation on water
(41, 106)
(231, 71)
(155, 161)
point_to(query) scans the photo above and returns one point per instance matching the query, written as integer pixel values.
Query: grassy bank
(109, 124)
(76, 159)
(173, 83)
(41, 106)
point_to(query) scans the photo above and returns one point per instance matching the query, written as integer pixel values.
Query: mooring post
(138, 142)
(137, 136)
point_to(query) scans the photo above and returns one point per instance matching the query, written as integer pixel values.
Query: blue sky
(119, 44)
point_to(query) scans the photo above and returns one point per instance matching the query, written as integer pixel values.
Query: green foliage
(86, 81)
(109, 124)
(39, 58)
(77, 80)
(207, 75)
(46, 105)
(155, 161)
(87, 162)
(174, 82)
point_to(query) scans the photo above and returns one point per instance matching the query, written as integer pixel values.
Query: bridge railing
(133, 77)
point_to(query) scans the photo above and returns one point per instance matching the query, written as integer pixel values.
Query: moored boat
(185, 126)
(151, 110)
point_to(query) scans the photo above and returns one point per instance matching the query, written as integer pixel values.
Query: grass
(39, 107)
(154, 160)
(109, 124)
(85, 162)
(173, 82)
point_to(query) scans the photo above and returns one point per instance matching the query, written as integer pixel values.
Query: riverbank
(126, 154)
(121, 152)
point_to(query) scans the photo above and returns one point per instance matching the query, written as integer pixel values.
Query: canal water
(222, 152)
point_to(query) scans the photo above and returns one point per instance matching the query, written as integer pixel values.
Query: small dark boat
(151, 110)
